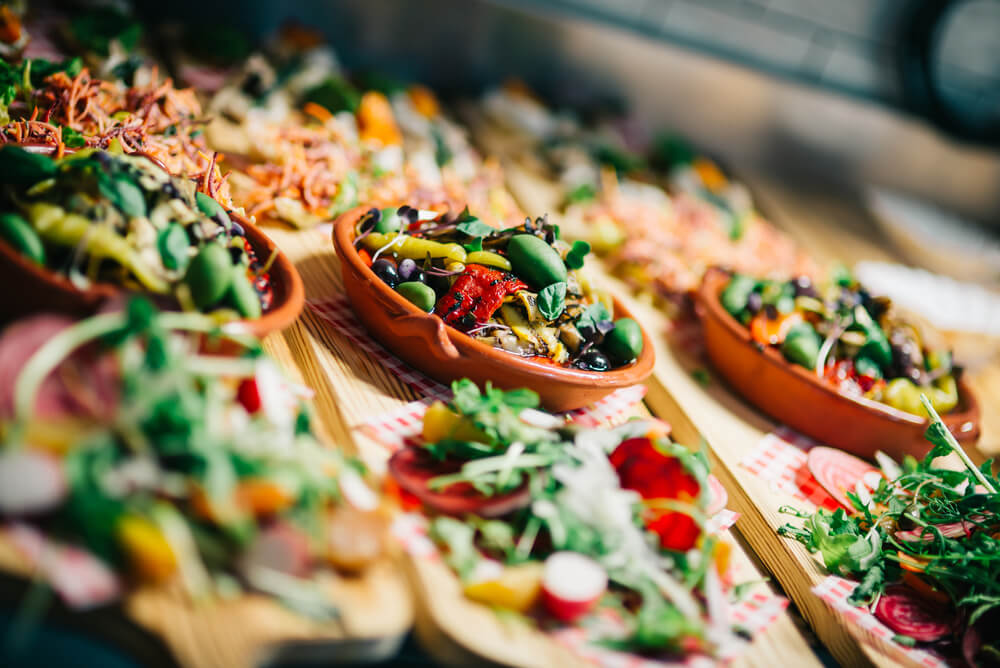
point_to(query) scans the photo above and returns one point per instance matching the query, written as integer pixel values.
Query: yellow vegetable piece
(376, 121)
(517, 588)
(903, 394)
(148, 551)
(488, 259)
(440, 423)
(416, 249)
(605, 235)
(424, 101)
(721, 554)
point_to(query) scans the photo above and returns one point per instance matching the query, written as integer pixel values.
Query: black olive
(236, 229)
(804, 287)
(370, 219)
(236, 253)
(593, 360)
(440, 284)
(771, 311)
(754, 303)
(385, 269)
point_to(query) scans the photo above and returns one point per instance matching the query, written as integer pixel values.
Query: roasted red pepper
(475, 295)
(655, 475)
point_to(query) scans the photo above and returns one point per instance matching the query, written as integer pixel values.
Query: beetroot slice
(413, 468)
(903, 611)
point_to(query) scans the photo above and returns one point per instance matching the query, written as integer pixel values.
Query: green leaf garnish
(552, 300)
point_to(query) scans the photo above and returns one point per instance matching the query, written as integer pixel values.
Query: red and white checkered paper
(835, 590)
(780, 458)
(82, 580)
(337, 311)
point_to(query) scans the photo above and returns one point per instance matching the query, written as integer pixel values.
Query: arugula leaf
(442, 153)
(72, 138)
(552, 300)
(335, 94)
(574, 258)
(459, 538)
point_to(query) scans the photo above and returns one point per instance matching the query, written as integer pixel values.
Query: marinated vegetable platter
(832, 361)
(508, 306)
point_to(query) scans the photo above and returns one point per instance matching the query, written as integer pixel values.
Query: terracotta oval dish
(794, 396)
(33, 287)
(445, 353)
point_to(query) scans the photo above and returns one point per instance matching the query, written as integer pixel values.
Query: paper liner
(780, 458)
(834, 592)
(82, 580)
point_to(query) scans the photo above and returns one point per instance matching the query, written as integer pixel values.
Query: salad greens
(933, 529)
(197, 468)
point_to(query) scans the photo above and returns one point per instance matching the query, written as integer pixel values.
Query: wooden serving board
(832, 228)
(353, 388)
(157, 626)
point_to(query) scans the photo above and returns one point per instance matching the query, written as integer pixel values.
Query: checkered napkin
(835, 590)
(780, 458)
(82, 580)
(392, 430)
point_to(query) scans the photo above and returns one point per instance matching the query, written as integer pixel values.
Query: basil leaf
(72, 138)
(475, 228)
(574, 258)
(592, 315)
(552, 300)
(475, 245)
(584, 192)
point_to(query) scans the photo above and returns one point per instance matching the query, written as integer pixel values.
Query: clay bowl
(425, 342)
(32, 288)
(794, 396)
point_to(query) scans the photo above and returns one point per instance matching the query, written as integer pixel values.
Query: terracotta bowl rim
(632, 374)
(708, 299)
(278, 317)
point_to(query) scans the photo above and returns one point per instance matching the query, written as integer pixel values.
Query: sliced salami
(413, 468)
(839, 473)
(903, 611)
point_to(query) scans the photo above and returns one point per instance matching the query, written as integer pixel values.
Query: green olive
(535, 262)
(172, 242)
(624, 342)
(19, 233)
(212, 209)
(242, 295)
(801, 345)
(389, 221)
(902, 394)
(736, 294)
(209, 275)
(419, 294)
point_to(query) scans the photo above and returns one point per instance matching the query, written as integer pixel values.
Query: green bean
(624, 342)
(242, 295)
(414, 248)
(212, 209)
(534, 261)
(419, 294)
(209, 275)
(19, 233)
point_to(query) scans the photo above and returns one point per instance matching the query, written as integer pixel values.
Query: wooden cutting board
(353, 388)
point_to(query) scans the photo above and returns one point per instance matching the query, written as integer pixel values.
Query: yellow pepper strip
(441, 423)
(148, 550)
(56, 226)
(423, 101)
(414, 248)
(710, 174)
(489, 259)
(375, 120)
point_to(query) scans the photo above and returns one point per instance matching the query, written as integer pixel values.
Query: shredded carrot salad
(155, 119)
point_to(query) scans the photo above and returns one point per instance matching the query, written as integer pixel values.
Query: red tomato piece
(248, 394)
